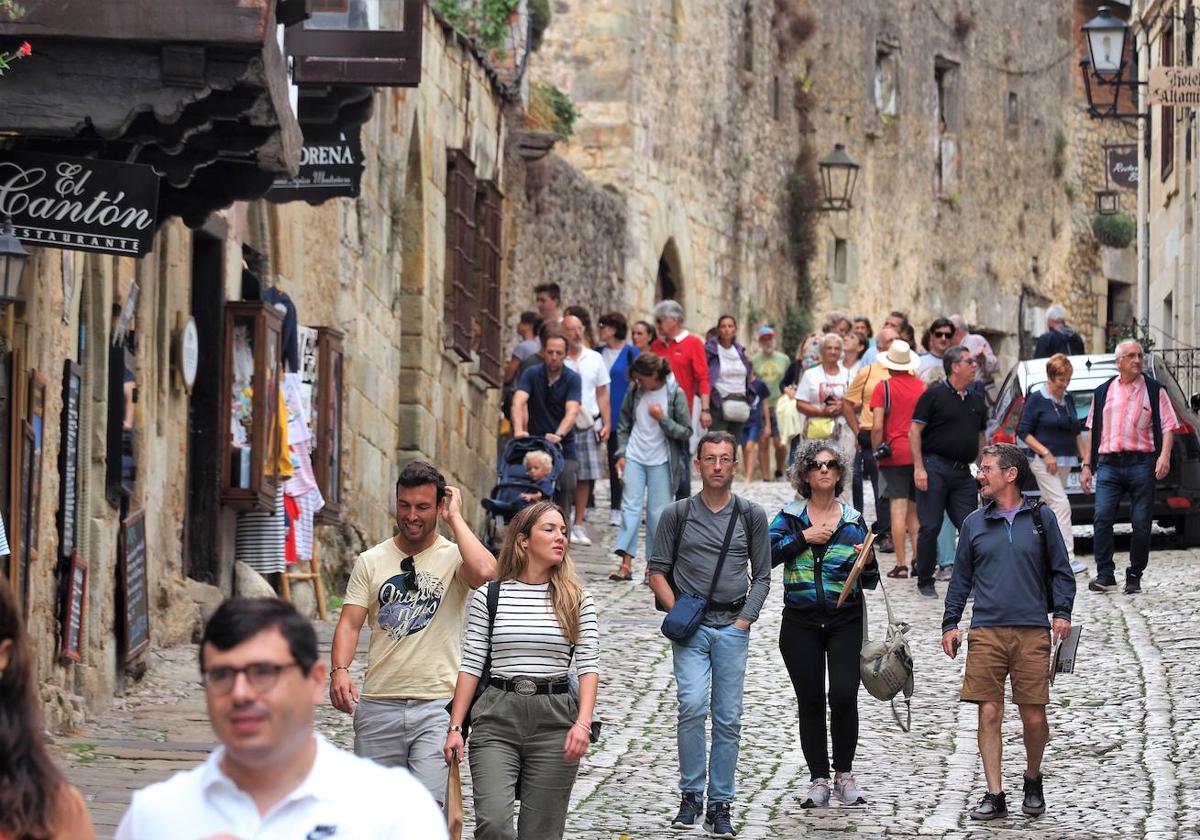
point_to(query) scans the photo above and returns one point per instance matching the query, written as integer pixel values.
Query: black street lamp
(12, 262)
(839, 177)
(1108, 202)
(1106, 36)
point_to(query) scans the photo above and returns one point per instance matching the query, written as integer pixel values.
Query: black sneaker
(991, 808)
(1035, 802)
(1102, 585)
(690, 809)
(716, 820)
(927, 589)
(1133, 587)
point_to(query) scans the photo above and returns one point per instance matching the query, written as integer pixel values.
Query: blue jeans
(1112, 482)
(952, 492)
(648, 485)
(710, 669)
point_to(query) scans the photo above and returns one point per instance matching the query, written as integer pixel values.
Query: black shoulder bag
(684, 618)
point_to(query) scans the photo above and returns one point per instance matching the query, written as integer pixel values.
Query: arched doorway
(669, 283)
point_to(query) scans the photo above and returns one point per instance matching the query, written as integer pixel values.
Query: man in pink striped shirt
(1132, 427)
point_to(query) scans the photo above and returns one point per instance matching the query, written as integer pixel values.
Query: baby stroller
(504, 502)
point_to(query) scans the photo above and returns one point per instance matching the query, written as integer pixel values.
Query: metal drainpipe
(1143, 199)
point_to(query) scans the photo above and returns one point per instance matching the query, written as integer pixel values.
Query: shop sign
(79, 203)
(135, 596)
(331, 166)
(1122, 165)
(1171, 86)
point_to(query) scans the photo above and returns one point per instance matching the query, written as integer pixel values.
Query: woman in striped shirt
(526, 726)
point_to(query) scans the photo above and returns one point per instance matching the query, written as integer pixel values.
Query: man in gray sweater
(712, 662)
(1011, 562)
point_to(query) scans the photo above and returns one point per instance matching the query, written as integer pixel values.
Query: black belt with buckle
(732, 606)
(955, 465)
(527, 687)
(1125, 457)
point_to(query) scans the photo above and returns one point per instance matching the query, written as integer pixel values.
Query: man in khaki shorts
(1009, 561)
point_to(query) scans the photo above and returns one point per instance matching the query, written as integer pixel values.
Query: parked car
(1177, 498)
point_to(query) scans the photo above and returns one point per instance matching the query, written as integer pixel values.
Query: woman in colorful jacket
(652, 436)
(817, 538)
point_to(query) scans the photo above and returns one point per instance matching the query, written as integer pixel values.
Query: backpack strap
(1040, 527)
(733, 519)
(493, 605)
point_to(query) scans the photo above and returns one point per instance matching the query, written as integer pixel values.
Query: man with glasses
(710, 666)
(941, 334)
(414, 589)
(945, 438)
(1007, 558)
(689, 363)
(272, 776)
(1132, 427)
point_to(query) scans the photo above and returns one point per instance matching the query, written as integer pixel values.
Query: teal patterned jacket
(809, 584)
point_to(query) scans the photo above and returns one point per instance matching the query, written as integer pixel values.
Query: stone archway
(669, 282)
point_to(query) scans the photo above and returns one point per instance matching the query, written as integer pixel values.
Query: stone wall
(963, 238)
(686, 113)
(564, 228)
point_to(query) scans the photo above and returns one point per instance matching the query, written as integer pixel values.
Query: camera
(882, 451)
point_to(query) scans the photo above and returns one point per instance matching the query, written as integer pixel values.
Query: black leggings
(806, 646)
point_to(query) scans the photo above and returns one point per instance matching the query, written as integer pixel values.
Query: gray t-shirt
(526, 349)
(747, 570)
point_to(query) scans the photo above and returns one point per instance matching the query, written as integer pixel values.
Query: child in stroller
(529, 471)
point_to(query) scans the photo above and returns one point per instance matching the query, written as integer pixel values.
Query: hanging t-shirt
(416, 620)
(593, 373)
(647, 441)
(732, 378)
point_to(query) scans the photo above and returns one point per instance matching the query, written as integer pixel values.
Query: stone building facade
(686, 117)
(974, 179)
(372, 267)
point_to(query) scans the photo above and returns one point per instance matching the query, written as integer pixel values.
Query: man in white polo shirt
(414, 588)
(272, 777)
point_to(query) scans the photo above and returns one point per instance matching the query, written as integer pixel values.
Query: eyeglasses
(989, 468)
(943, 334)
(723, 460)
(968, 361)
(262, 676)
(1131, 356)
(409, 567)
(814, 464)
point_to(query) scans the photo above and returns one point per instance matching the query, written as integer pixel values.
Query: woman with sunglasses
(526, 726)
(817, 538)
(35, 799)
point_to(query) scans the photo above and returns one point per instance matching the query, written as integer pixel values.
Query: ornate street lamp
(12, 262)
(1106, 44)
(839, 177)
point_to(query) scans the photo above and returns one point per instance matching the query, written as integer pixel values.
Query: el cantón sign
(78, 203)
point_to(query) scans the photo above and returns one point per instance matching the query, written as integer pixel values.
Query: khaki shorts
(994, 653)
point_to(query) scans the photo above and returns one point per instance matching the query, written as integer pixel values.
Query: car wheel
(1187, 530)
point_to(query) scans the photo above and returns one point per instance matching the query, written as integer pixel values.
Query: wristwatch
(453, 728)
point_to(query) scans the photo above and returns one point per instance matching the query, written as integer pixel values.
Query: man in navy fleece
(1002, 555)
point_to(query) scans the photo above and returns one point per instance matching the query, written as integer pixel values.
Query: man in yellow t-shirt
(857, 411)
(770, 365)
(414, 589)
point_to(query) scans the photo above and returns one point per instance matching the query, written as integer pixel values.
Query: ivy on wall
(485, 21)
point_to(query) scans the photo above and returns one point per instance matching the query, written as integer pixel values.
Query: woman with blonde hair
(527, 726)
(36, 803)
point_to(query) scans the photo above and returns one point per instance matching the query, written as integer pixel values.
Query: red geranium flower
(26, 49)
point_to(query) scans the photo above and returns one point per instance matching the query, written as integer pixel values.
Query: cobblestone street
(1124, 759)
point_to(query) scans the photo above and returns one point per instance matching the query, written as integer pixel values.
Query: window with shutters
(461, 284)
(488, 204)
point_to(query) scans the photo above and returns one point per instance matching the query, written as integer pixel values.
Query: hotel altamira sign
(1173, 86)
(79, 204)
(331, 166)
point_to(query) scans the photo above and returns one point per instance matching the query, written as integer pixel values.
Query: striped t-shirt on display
(526, 639)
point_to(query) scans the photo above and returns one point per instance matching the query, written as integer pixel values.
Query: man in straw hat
(892, 404)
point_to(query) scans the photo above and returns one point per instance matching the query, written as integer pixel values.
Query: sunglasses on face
(943, 334)
(814, 464)
(409, 567)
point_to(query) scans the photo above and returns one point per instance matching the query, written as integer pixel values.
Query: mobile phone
(954, 646)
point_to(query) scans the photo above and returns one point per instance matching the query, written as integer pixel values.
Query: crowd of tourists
(516, 694)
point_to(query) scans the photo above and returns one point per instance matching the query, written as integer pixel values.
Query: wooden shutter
(461, 284)
(487, 251)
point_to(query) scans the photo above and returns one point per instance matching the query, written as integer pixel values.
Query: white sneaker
(614, 519)
(579, 535)
(1077, 565)
(818, 795)
(846, 789)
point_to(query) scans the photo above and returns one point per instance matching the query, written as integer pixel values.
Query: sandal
(623, 573)
(898, 572)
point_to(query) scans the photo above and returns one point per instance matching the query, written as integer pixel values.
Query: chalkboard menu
(74, 607)
(68, 458)
(134, 585)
